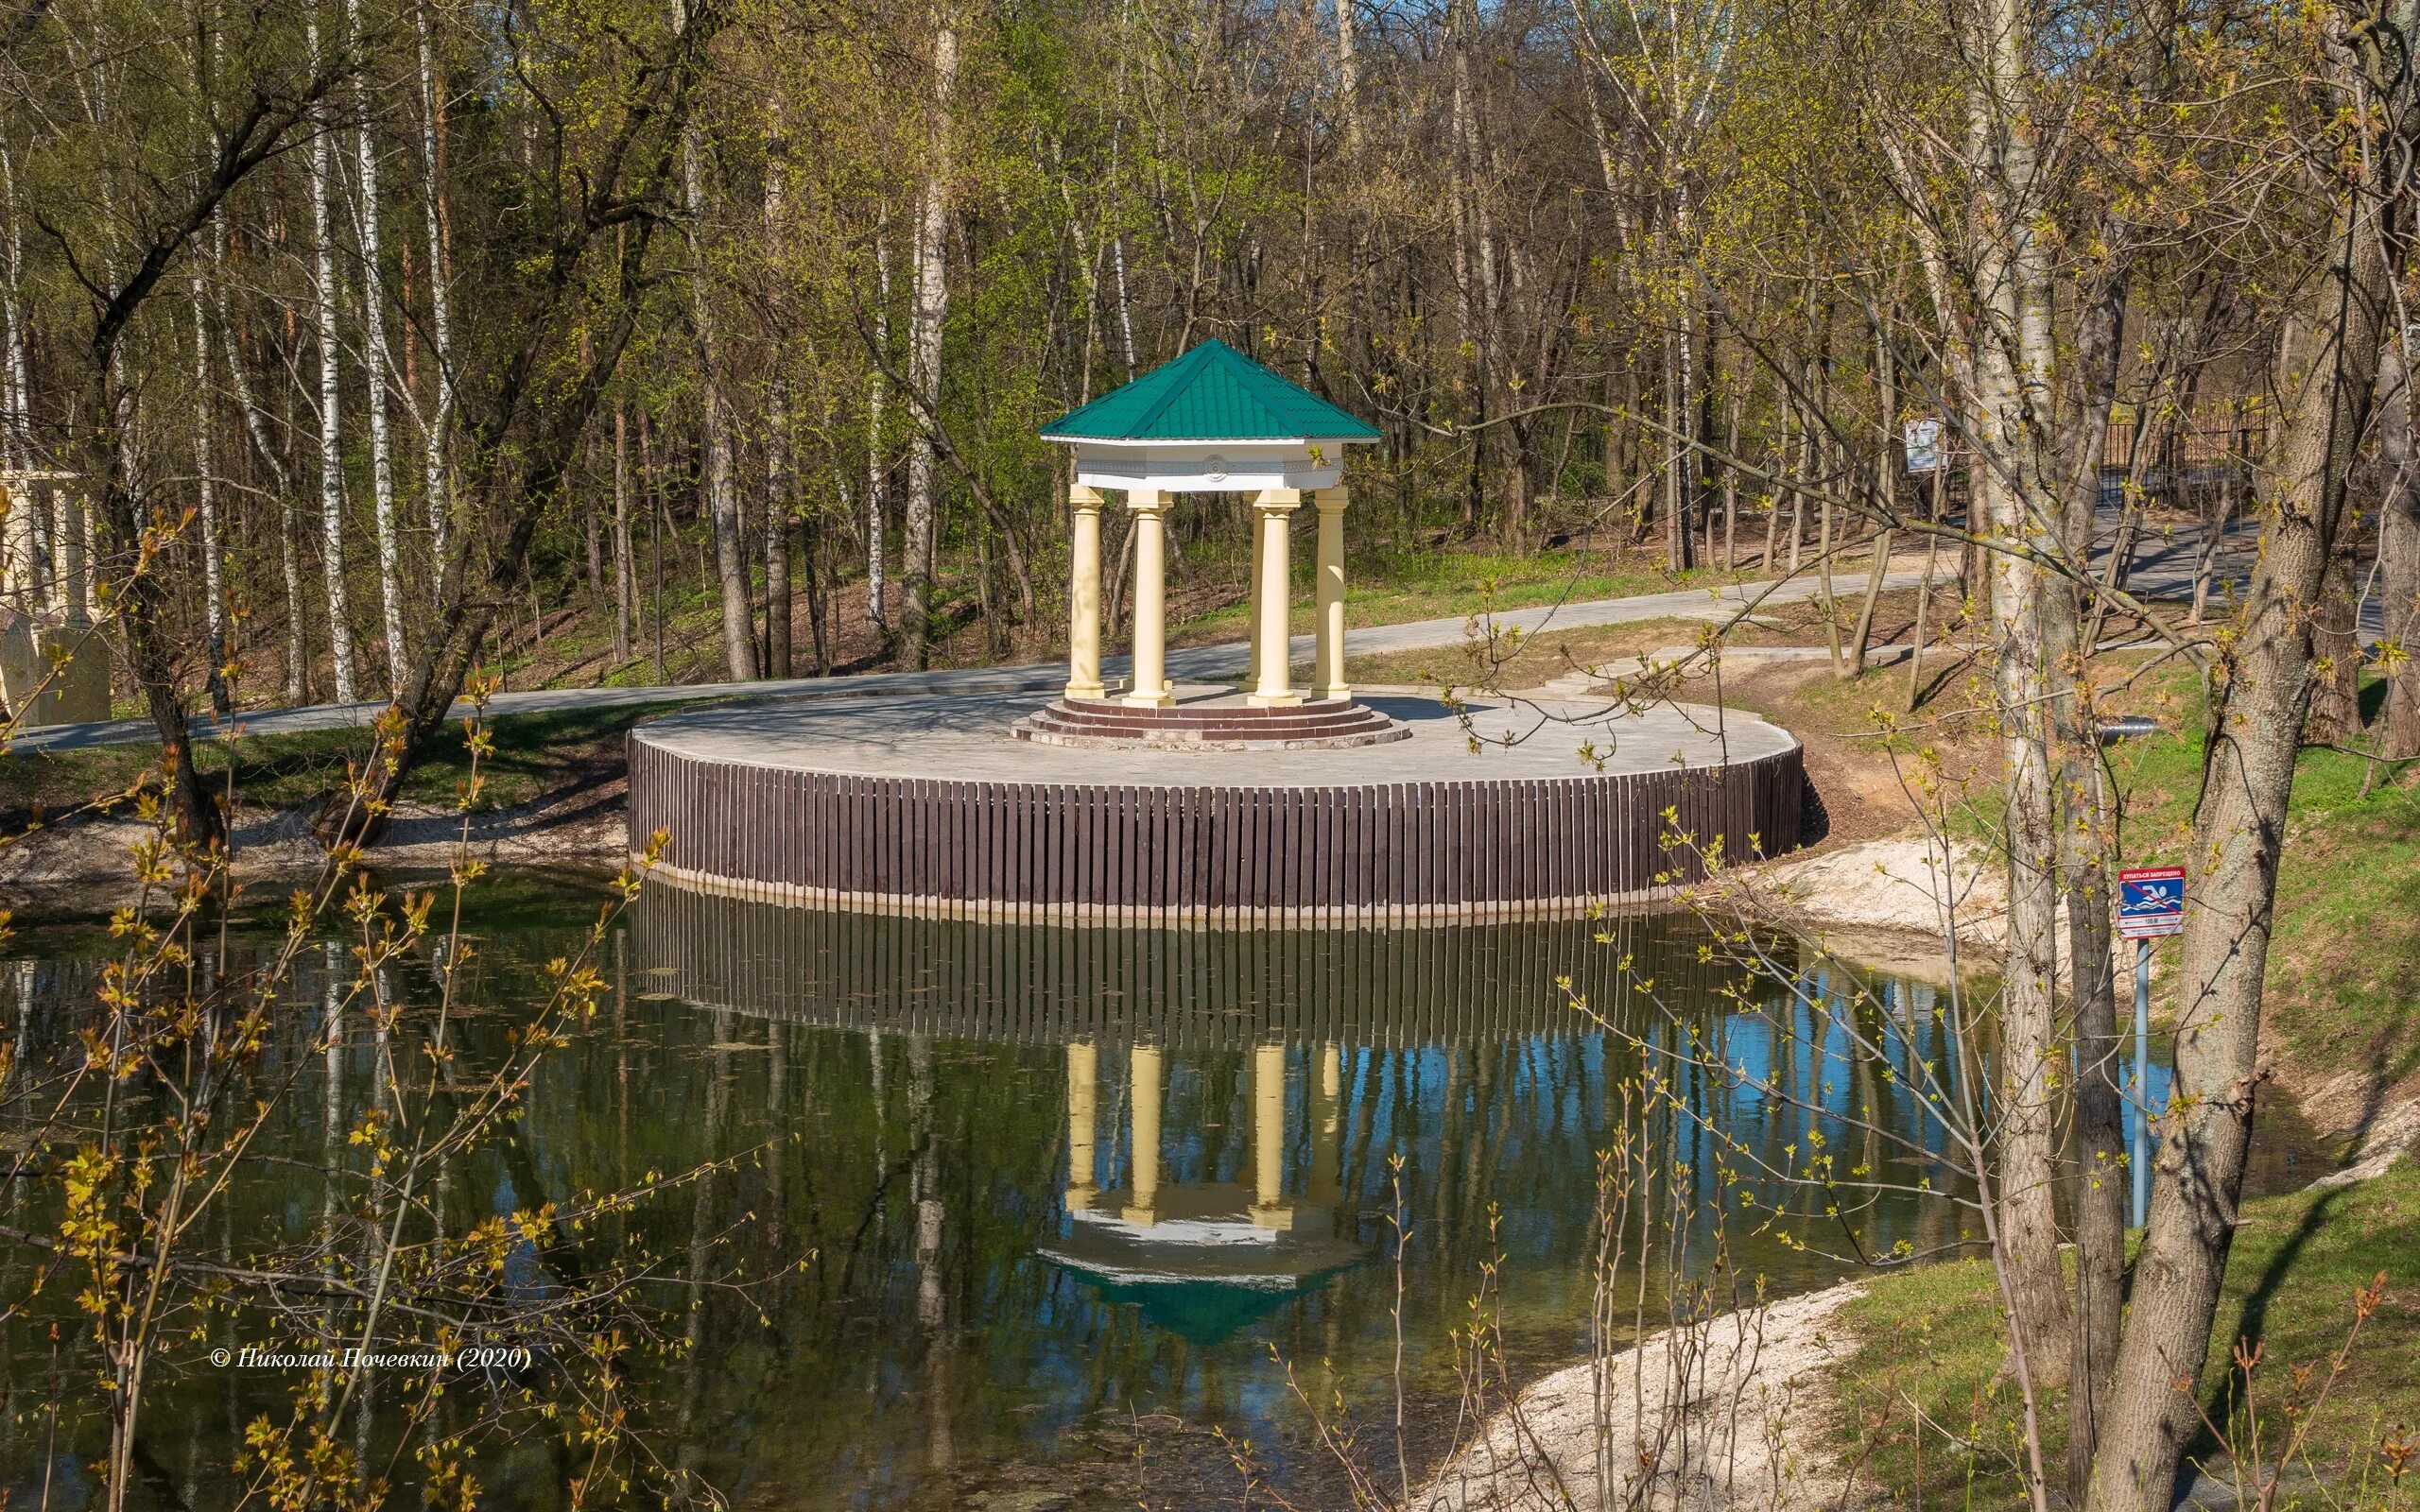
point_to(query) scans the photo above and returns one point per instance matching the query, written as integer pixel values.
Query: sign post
(2150, 904)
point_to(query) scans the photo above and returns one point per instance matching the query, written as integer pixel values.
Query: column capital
(1277, 500)
(1330, 498)
(1147, 501)
(1082, 496)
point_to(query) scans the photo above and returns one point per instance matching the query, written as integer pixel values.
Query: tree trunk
(1348, 78)
(2014, 368)
(2400, 550)
(721, 490)
(375, 362)
(2335, 646)
(298, 661)
(928, 312)
(2088, 838)
(623, 588)
(876, 468)
(778, 531)
(16, 438)
(436, 482)
(1864, 635)
(2255, 725)
(214, 567)
(321, 170)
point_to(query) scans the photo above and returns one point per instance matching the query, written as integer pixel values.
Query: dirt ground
(583, 821)
(1734, 1418)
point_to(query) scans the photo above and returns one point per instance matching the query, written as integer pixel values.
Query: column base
(1090, 692)
(1140, 699)
(1337, 691)
(1274, 700)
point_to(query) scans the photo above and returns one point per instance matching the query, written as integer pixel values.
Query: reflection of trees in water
(920, 1169)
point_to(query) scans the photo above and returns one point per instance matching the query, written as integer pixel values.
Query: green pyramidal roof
(1211, 393)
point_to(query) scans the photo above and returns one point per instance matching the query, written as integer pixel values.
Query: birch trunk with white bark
(436, 482)
(16, 436)
(321, 171)
(927, 314)
(213, 585)
(625, 590)
(2014, 364)
(375, 360)
(722, 496)
(876, 395)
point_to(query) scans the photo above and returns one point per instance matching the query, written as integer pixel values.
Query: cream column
(1273, 508)
(1151, 690)
(1083, 596)
(1327, 666)
(1268, 1136)
(1083, 1083)
(1145, 1094)
(74, 593)
(1259, 532)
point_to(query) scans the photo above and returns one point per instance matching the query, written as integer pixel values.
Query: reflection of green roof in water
(1203, 1312)
(1204, 1268)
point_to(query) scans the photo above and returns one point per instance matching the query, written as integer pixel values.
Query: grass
(1386, 585)
(1932, 1337)
(2346, 940)
(1552, 652)
(535, 753)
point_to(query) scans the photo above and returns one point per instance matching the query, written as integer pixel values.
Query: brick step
(1221, 714)
(1345, 720)
(1241, 728)
(1225, 727)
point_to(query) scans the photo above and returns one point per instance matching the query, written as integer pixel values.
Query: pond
(1008, 1217)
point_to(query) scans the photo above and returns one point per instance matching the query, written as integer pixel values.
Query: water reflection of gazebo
(1185, 1249)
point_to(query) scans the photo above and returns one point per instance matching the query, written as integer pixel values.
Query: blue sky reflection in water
(947, 1267)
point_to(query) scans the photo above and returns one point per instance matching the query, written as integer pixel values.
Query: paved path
(1194, 664)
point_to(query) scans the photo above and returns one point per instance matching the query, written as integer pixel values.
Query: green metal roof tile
(1211, 393)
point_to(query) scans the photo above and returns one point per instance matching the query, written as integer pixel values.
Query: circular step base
(1220, 722)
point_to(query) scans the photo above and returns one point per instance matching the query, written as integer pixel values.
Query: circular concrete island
(934, 806)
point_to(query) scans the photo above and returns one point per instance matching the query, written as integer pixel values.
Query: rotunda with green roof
(1211, 422)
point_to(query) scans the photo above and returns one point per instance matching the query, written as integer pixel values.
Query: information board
(2151, 903)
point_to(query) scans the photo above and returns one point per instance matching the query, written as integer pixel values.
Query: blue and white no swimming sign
(2151, 903)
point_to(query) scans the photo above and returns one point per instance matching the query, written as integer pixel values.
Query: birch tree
(376, 366)
(214, 567)
(928, 310)
(722, 491)
(323, 293)
(440, 301)
(2345, 315)
(877, 463)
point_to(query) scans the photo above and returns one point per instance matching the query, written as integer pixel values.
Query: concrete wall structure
(972, 828)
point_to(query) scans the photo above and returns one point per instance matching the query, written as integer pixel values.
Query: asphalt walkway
(1194, 664)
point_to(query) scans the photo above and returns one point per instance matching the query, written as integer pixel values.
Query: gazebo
(1211, 422)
